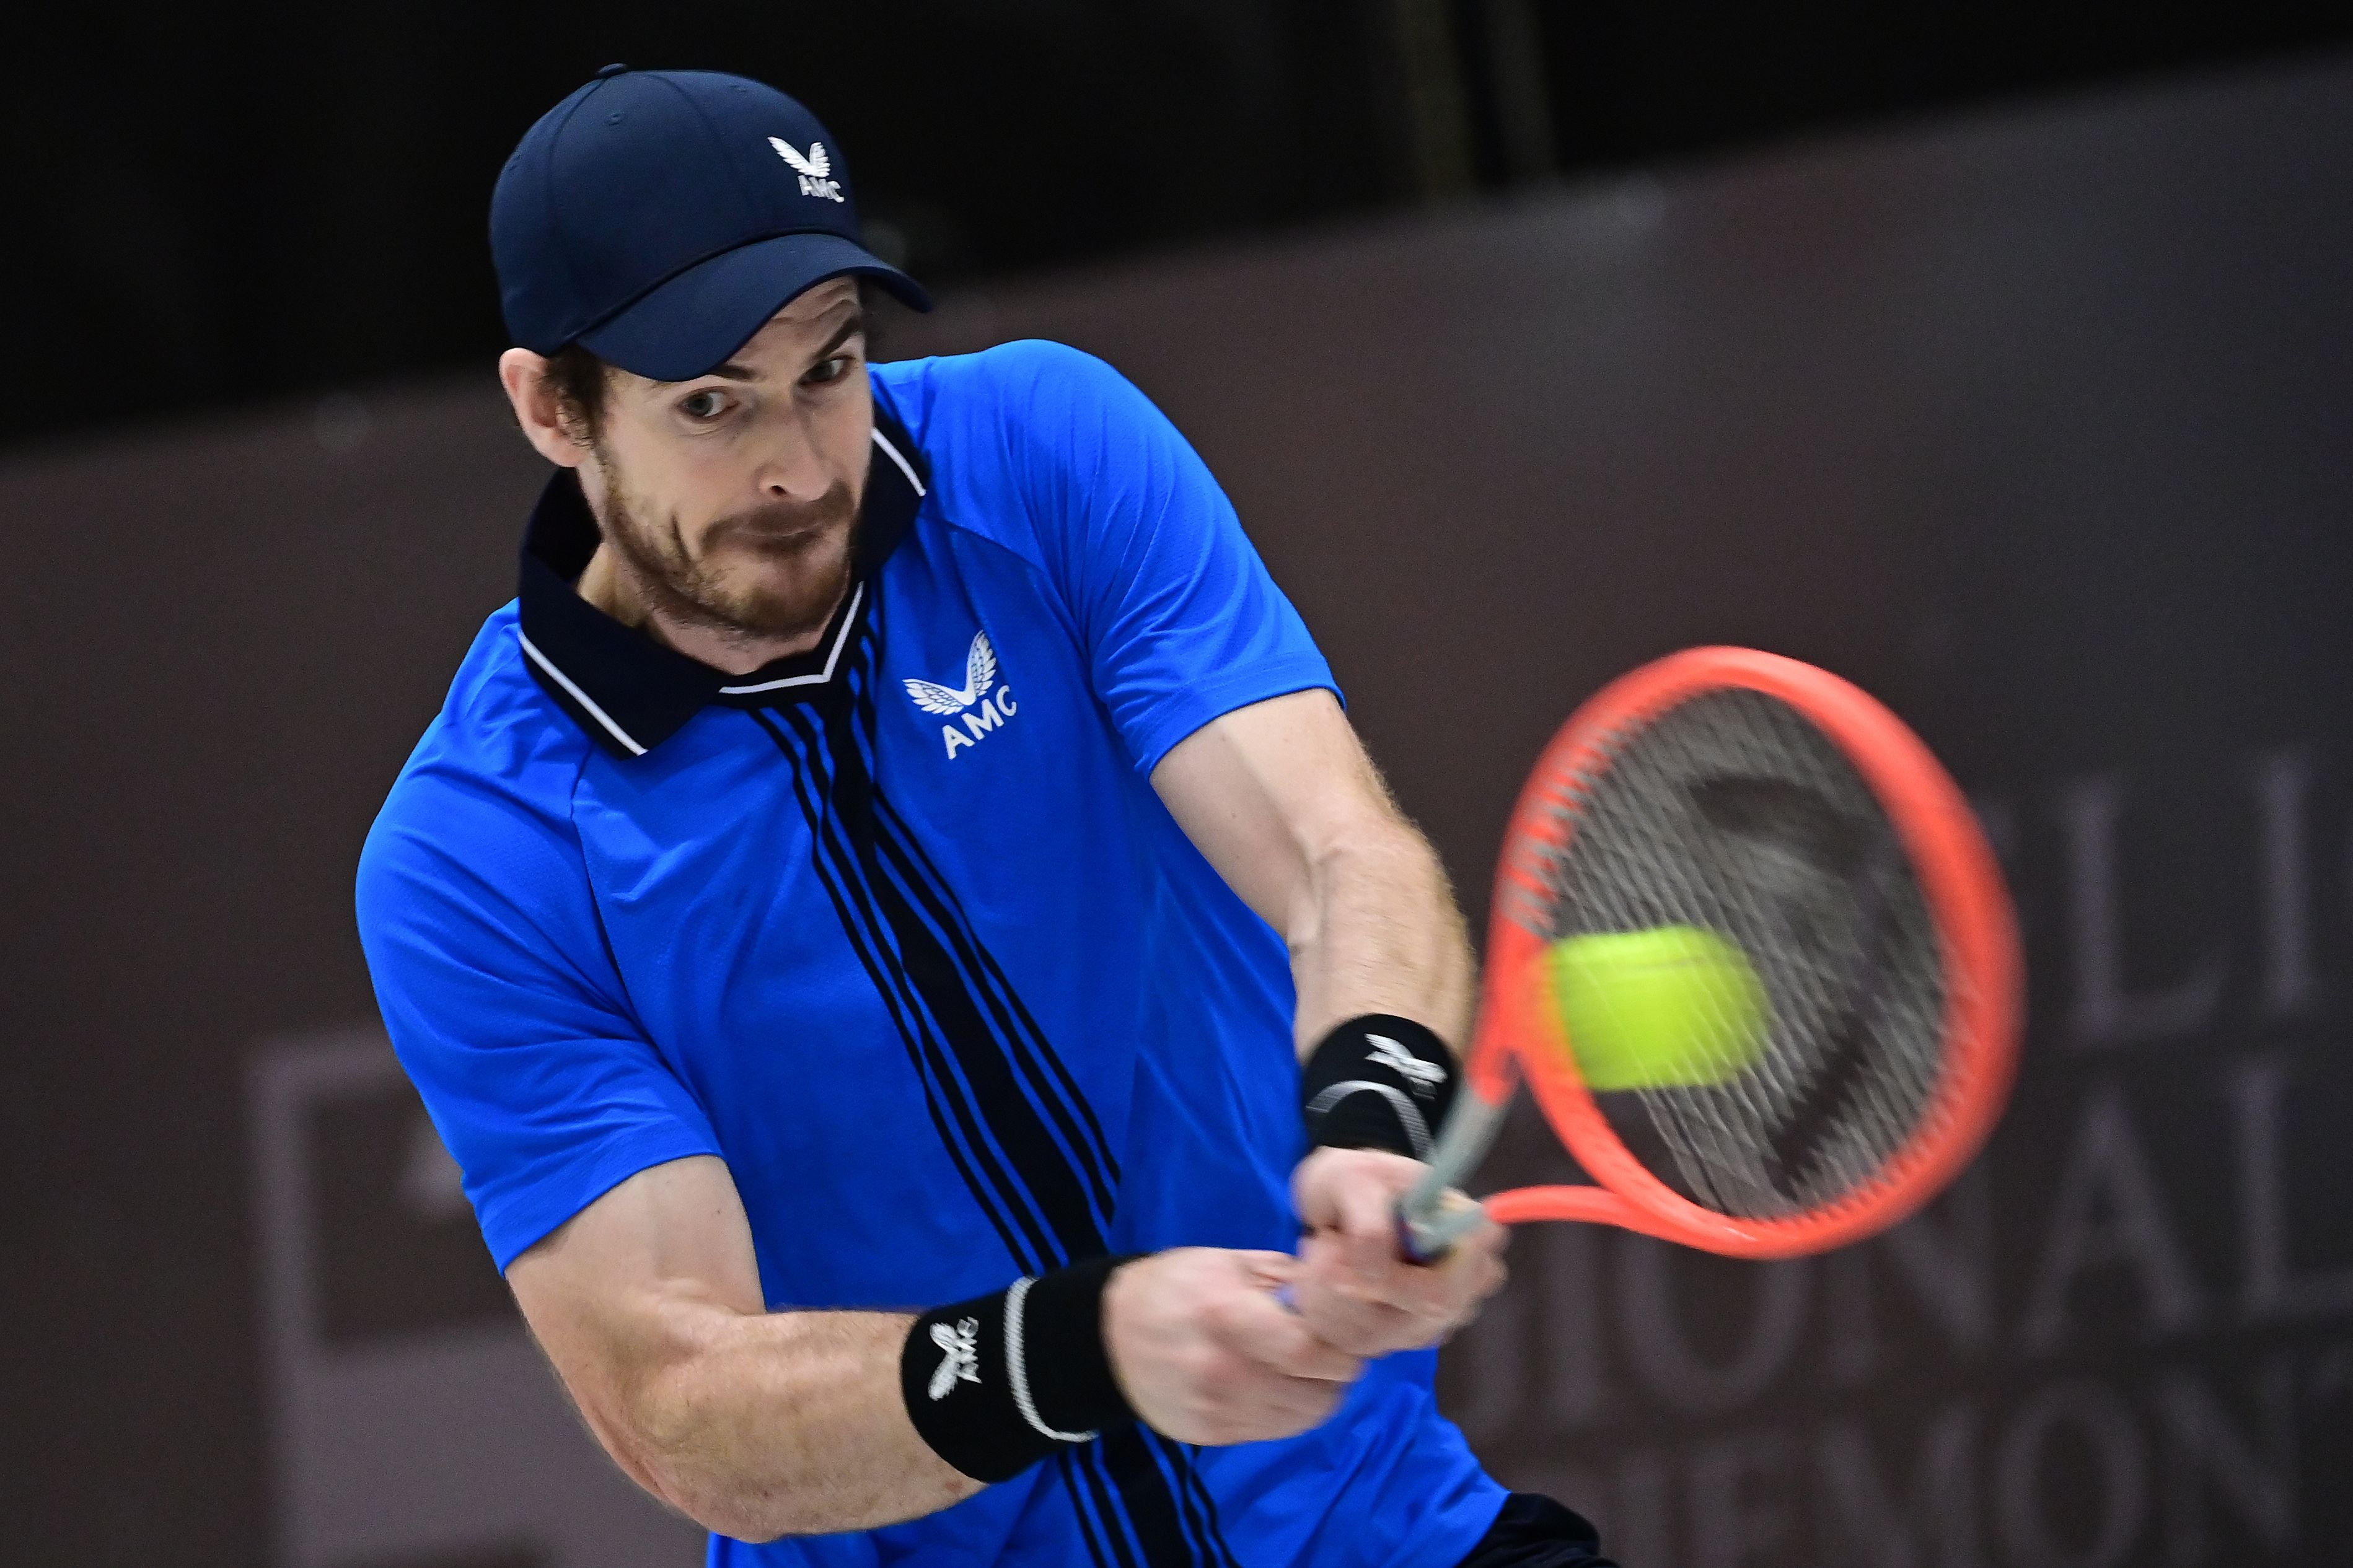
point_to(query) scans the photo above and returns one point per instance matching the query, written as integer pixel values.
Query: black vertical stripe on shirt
(1119, 1520)
(1045, 1176)
(953, 1116)
(974, 960)
(1144, 1491)
(923, 913)
(1040, 1189)
(998, 1219)
(1152, 1509)
(1033, 1055)
(1064, 1101)
(1000, 1053)
(1106, 1542)
(1200, 1508)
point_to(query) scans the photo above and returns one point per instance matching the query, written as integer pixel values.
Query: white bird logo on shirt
(816, 165)
(979, 675)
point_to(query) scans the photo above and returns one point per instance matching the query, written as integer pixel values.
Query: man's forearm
(761, 1425)
(1282, 799)
(1381, 933)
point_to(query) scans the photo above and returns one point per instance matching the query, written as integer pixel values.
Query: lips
(783, 536)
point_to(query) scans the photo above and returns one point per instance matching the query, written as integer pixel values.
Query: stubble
(772, 574)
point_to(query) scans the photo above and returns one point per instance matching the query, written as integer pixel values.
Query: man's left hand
(1355, 1291)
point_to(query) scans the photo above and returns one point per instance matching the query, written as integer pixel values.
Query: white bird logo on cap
(816, 165)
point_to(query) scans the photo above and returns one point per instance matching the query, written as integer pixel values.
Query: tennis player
(931, 1002)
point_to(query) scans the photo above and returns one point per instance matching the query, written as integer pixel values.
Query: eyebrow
(850, 328)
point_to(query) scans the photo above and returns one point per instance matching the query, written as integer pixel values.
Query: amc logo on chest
(975, 709)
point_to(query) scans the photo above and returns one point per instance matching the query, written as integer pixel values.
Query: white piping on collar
(849, 618)
(579, 696)
(899, 457)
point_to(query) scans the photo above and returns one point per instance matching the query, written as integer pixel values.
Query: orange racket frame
(1519, 1033)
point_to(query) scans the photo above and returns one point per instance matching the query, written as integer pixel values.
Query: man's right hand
(1207, 1353)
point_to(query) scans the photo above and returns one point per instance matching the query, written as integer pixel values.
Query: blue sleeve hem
(513, 1225)
(1201, 703)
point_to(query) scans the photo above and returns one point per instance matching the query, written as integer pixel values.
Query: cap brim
(688, 325)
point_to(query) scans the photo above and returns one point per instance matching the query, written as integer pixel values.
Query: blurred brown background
(2031, 417)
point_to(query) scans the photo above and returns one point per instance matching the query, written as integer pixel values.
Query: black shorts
(1534, 1531)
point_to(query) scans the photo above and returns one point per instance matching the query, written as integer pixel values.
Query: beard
(774, 573)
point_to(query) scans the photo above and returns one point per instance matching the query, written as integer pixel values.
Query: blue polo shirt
(900, 931)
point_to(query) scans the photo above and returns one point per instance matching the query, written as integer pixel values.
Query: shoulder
(484, 801)
(1031, 380)
(1021, 415)
(1035, 445)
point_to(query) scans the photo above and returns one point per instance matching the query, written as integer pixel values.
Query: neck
(612, 587)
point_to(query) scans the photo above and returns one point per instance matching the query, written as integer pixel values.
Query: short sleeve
(1180, 619)
(490, 971)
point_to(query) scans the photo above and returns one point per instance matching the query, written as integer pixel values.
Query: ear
(532, 396)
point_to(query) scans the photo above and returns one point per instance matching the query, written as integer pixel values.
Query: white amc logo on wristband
(960, 1362)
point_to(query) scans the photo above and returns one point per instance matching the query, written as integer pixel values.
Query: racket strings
(1733, 813)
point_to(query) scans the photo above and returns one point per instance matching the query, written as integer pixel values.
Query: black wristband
(997, 1384)
(1377, 1082)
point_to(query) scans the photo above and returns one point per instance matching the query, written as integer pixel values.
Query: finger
(1420, 1308)
(1287, 1407)
(1364, 1222)
(1461, 1275)
(1301, 1403)
(1383, 1331)
(1449, 1290)
(1310, 1184)
(1486, 1237)
(1474, 1279)
(1263, 1331)
(1393, 1310)
(1325, 1174)
(1267, 1270)
(1339, 1264)
(1358, 1328)
(1480, 1255)
(1349, 1321)
(1295, 1351)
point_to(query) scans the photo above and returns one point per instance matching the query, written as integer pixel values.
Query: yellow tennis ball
(1672, 1006)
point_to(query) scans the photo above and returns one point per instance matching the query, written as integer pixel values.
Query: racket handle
(1431, 1218)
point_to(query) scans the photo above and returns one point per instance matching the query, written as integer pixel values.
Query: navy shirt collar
(632, 693)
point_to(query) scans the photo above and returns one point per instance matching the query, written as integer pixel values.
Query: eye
(705, 405)
(825, 372)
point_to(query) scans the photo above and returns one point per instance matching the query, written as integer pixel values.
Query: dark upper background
(213, 205)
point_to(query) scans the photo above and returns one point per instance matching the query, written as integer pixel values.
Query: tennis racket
(1765, 811)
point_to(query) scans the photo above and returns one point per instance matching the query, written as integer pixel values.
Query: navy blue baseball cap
(660, 218)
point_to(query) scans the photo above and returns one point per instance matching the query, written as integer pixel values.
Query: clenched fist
(1206, 1352)
(1352, 1288)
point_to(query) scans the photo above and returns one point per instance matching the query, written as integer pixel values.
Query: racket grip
(1409, 1246)
(1428, 1240)
(1432, 1217)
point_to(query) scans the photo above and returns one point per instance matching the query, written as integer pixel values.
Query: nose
(790, 468)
